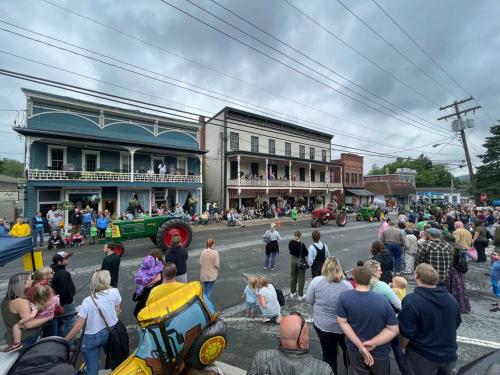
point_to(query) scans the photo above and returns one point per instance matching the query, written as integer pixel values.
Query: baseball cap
(61, 255)
(434, 232)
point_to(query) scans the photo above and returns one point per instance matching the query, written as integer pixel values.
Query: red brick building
(354, 192)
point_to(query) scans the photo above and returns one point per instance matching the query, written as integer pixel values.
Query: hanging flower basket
(192, 202)
(280, 198)
(66, 206)
(319, 200)
(133, 203)
(95, 198)
(301, 201)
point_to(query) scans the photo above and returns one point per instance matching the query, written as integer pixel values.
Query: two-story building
(354, 192)
(105, 157)
(253, 159)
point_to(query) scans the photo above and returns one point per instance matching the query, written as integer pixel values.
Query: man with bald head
(292, 357)
(463, 237)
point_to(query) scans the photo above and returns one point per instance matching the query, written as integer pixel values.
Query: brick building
(354, 192)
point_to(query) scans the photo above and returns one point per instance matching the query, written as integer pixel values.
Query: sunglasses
(302, 324)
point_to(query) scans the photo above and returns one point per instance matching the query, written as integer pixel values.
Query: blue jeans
(86, 230)
(67, 320)
(271, 260)
(396, 350)
(91, 349)
(397, 254)
(50, 328)
(207, 287)
(38, 232)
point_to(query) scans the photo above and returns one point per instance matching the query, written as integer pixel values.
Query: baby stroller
(48, 356)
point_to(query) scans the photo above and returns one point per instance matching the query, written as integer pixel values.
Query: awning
(360, 192)
(12, 248)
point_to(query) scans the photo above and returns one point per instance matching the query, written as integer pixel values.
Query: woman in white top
(96, 334)
(268, 300)
(271, 238)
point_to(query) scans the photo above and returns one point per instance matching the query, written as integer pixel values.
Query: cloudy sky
(381, 97)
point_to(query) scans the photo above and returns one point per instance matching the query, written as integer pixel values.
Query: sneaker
(293, 295)
(272, 269)
(301, 298)
(265, 267)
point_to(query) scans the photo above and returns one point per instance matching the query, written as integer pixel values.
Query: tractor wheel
(315, 223)
(208, 346)
(358, 217)
(325, 221)
(119, 249)
(172, 228)
(153, 240)
(341, 218)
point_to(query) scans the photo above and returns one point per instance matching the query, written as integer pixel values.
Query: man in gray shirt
(394, 241)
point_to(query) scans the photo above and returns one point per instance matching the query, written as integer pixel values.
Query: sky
(339, 66)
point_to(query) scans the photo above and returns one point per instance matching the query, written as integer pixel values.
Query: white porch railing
(273, 183)
(50, 175)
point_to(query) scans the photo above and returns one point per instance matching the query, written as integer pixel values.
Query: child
(398, 286)
(93, 233)
(108, 232)
(43, 305)
(77, 239)
(495, 278)
(250, 295)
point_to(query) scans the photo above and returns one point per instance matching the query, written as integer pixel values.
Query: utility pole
(461, 128)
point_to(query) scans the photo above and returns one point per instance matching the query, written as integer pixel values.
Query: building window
(125, 163)
(311, 153)
(323, 155)
(272, 146)
(90, 161)
(288, 149)
(302, 174)
(234, 141)
(255, 169)
(302, 152)
(360, 178)
(255, 144)
(313, 175)
(57, 157)
(347, 180)
(234, 170)
(287, 172)
(321, 176)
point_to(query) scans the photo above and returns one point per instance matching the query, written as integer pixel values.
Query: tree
(11, 167)
(428, 173)
(488, 174)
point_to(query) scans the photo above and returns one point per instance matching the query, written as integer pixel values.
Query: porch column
(239, 168)
(290, 173)
(267, 172)
(132, 151)
(310, 176)
(27, 157)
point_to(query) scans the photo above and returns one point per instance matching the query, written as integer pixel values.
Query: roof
(7, 179)
(360, 192)
(270, 119)
(390, 188)
(442, 190)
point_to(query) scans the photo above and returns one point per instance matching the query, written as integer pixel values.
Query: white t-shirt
(107, 301)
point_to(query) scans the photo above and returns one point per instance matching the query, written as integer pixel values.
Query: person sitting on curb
(292, 357)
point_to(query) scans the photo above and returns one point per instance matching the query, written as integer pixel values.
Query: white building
(252, 156)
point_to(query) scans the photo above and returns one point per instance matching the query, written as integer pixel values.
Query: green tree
(11, 167)
(488, 174)
(428, 173)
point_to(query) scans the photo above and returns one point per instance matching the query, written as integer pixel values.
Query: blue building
(103, 156)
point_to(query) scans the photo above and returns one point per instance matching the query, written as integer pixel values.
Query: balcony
(276, 183)
(51, 175)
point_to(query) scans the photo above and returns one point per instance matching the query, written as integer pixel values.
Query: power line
(145, 42)
(395, 48)
(302, 54)
(78, 89)
(291, 67)
(266, 110)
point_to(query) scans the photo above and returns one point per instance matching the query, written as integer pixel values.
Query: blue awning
(12, 248)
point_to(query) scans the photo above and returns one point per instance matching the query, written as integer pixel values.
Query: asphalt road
(242, 254)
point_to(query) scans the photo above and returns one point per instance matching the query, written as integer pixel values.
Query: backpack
(267, 237)
(460, 262)
(280, 296)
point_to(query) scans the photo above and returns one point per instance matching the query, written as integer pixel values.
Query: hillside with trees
(488, 174)
(11, 167)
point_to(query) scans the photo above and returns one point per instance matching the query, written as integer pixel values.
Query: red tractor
(322, 216)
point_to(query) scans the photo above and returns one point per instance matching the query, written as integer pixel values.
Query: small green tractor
(369, 214)
(160, 229)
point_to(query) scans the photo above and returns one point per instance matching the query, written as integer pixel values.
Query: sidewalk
(247, 223)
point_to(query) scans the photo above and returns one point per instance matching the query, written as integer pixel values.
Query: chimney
(201, 121)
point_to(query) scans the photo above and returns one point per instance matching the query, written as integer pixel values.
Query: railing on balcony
(49, 175)
(273, 183)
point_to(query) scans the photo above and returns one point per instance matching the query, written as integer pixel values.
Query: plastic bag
(472, 254)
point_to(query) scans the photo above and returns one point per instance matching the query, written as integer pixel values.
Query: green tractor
(369, 214)
(160, 229)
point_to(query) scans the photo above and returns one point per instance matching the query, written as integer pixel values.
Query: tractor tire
(171, 228)
(315, 223)
(119, 249)
(153, 240)
(208, 346)
(358, 217)
(341, 218)
(325, 222)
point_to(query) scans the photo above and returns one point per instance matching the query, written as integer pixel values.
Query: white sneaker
(265, 267)
(292, 295)
(301, 298)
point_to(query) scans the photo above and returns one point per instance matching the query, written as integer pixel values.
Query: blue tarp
(12, 248)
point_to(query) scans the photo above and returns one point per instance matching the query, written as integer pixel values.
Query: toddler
(250, 295)
(398, 286)
(495, 278)
(77, 239)
(43, 305)
(93, 233)
(108, 233)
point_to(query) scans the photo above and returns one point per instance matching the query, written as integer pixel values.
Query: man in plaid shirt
(437, 253)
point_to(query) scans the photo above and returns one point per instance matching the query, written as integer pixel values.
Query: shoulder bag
(302, 262)
(118, 341)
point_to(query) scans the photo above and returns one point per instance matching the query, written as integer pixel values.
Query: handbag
(118, 341)
(302, 262)
(472, 254)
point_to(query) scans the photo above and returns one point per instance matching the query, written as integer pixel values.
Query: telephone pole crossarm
(455, 102)
(462, 112)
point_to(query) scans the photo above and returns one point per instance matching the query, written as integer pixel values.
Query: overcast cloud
(463, 36)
